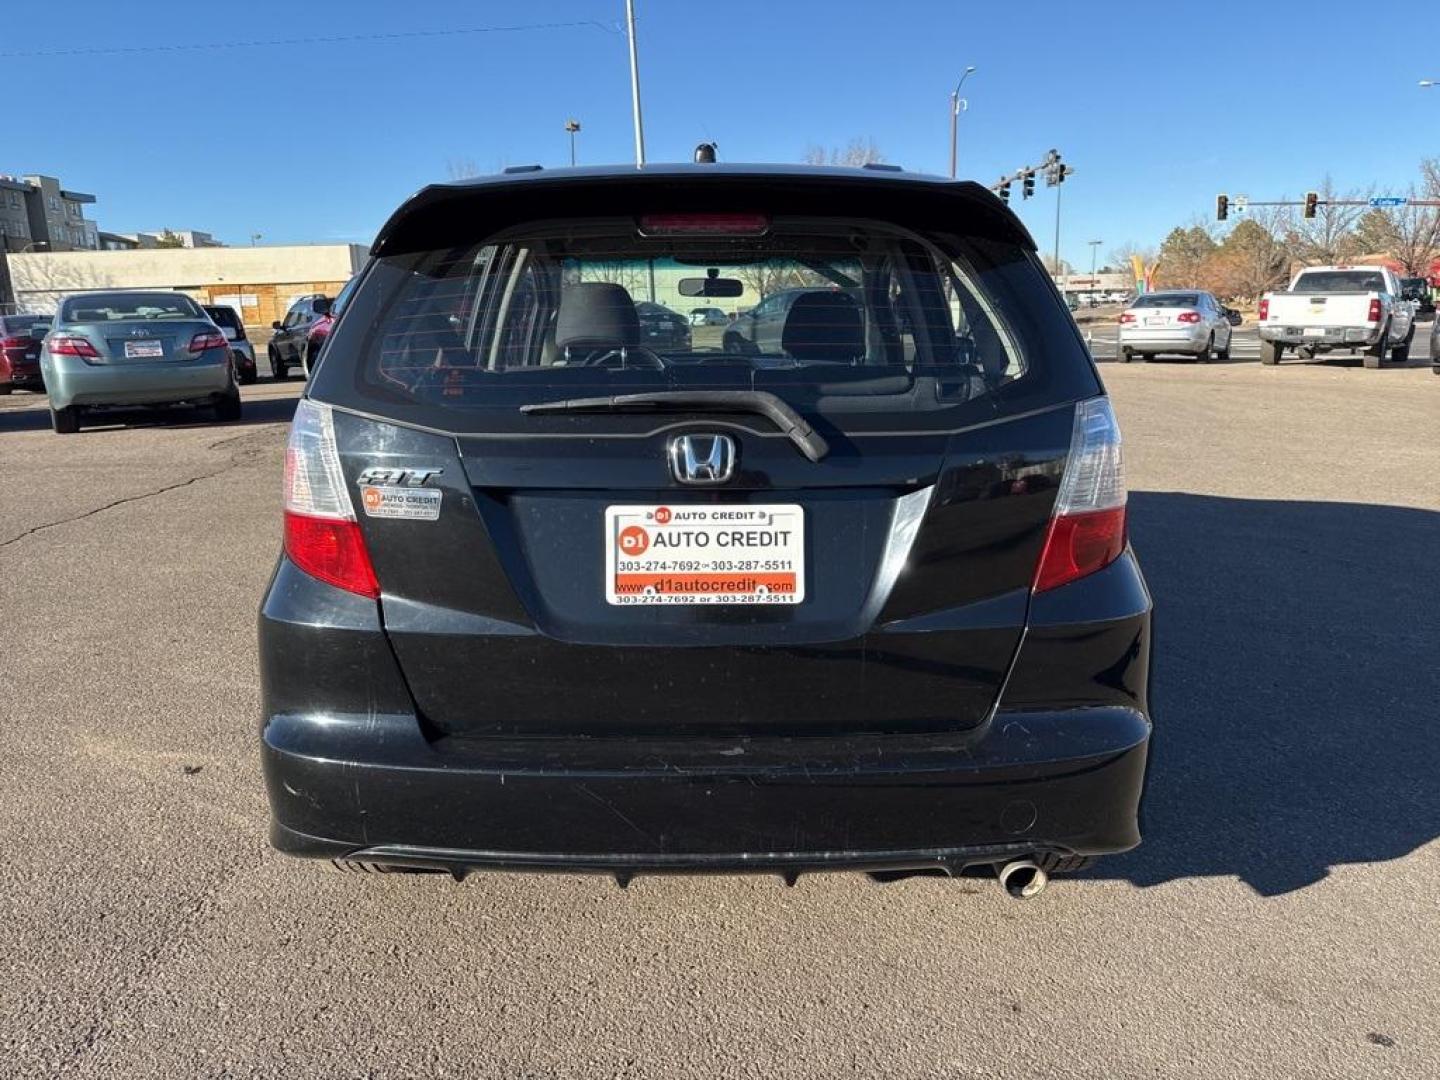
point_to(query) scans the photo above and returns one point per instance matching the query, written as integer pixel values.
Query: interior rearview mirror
(276, 325)
(711, 287)
(322, 307)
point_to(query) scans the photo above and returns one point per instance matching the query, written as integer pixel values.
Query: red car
(20, 337)
(321, 330)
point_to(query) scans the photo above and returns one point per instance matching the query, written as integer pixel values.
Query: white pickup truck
(1338, 307)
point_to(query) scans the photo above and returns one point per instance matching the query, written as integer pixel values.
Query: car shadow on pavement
(256, 411)
(1294, 689)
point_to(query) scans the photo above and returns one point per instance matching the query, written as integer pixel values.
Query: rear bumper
(376, 790)
(138, 384)
(1185, 340)
(1332, 336)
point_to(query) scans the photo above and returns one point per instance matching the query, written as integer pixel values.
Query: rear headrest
(88, 315)
(596, 315)
(824, 326)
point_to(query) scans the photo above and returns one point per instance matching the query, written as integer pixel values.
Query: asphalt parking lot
(1279, 920)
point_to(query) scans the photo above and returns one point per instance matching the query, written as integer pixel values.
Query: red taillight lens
(15, 342)
(1375, 310)
(209, 339)
(704, 224)
(331, 550)
(1264, 310)
(1188, 317)
(1080, 544)
(71, 346)
(1127, 317)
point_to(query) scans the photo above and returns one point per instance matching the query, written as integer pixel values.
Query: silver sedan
(1189, 322)
(135, 348)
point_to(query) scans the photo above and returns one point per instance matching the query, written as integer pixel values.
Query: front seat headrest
(824, 327)
(596, 315)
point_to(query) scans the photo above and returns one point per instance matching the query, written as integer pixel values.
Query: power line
(337, 39)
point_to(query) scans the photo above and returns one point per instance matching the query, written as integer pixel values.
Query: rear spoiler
(457, 215)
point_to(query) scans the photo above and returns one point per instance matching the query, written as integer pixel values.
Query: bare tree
(461, 168)
(1329, 237)
(1415, 230)
(856, 153)
(1048, 261)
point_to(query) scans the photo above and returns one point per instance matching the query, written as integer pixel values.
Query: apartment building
(37, 214)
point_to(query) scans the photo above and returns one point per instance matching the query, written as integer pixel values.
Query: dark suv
(287, 346)
(553, 597)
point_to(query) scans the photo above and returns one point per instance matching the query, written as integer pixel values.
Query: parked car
(1358, 308)
(320, 328)
(287, 346)
(242, 352)
(761, 330)
(550, 598)
(708, 316)
(1417, 290)
(1188, 322)
(134, 348)
(1435, 347)
(20, 337)
(662, 328)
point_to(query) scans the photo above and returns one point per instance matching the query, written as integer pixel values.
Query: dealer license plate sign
(737, 554)
(141, 350)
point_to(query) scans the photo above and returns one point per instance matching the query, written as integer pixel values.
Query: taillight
(207, 339)
(1127, 317)
(15, 342)
(1375, 311)
(1087, 524)
(1264, 310)
(322, 536)
(1188, 317)
(69, 345)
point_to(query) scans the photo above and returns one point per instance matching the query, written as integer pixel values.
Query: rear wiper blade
(806, 438)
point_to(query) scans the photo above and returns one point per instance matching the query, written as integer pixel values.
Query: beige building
(258, 282)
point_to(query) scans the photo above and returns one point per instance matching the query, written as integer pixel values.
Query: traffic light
(1028, 183)
(1004, 193)
(1061, 171)
(1311, 199)
(1222, 207)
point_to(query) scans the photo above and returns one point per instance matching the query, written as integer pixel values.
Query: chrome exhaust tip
(1023, 879)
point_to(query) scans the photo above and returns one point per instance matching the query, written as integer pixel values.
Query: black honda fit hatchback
(852, 592)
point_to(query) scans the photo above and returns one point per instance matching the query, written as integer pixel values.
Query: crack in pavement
(245, 439)
(118, 502)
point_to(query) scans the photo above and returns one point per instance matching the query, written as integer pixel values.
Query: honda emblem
(702, 459)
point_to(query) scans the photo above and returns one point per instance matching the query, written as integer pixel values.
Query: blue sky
(317, 143)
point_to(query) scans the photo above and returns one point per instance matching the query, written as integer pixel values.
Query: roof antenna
(705, 153)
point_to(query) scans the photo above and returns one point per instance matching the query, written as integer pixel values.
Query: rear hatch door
(605, 570)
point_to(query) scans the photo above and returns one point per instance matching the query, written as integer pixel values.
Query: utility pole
(572, 126)
(635, 84)
(957, 106)
(1058, 189)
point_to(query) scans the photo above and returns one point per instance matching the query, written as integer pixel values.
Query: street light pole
(572, 126)
(1094, 245)
(957, 106)
(635, 84)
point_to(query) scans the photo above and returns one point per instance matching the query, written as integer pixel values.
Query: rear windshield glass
(23, 324)
(858, 314)
(1341, 281)
(107, 307)
(1168, 300)
(223, 316)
